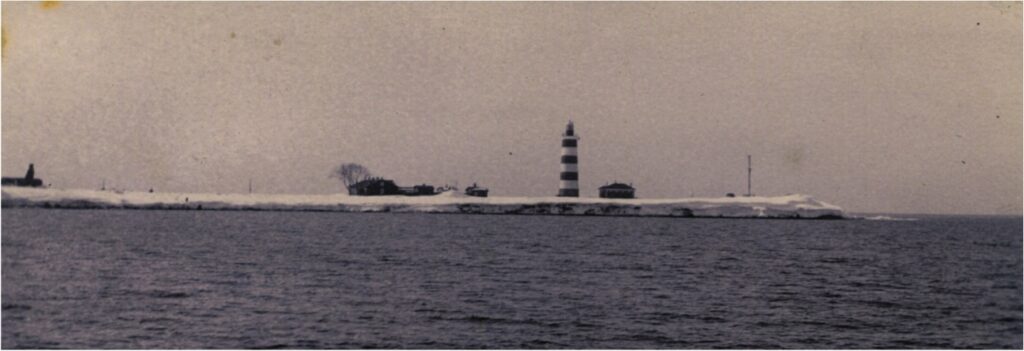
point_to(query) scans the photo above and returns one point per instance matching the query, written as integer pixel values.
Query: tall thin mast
(749, 170)
(250, 185)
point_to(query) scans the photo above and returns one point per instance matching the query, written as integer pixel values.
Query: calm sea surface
(195, 279)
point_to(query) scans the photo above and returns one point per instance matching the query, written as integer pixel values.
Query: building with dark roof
(417, 190)
(374, 186)
(381, 186)
(617, 191)
(476, 191)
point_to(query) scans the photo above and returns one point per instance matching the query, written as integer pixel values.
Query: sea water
(203, 279)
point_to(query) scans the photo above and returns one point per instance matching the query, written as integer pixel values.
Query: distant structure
(29, 180)
(379, 186)
(374, 186)
(617, 191)
(417, 190)
(476, 191)
(749, 171)
(445, 188)
(569, 186)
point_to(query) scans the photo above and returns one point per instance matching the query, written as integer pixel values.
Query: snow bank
(789, 206)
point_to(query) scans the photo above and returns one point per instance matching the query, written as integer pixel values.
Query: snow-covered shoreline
(789, 206)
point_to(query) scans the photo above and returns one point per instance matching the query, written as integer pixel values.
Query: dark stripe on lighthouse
(569, 192)
(570, 176)
(568, 142)
(569, 159)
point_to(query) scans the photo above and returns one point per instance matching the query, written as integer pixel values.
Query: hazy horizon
(875, 107)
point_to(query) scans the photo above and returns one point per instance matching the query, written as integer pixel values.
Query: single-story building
(417, 190)
(476, 191)
(617, 191)
(374, 186)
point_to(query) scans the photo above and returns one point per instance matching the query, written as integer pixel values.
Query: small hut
(617, 191)
(476, 191)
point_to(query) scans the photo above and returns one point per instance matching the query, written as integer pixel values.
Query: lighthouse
(569, 186)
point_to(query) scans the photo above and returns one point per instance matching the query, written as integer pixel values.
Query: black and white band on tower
(569, 186)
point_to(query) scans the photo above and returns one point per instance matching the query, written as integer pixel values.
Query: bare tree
(351, 173)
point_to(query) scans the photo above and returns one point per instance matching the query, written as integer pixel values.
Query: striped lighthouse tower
(570, 186)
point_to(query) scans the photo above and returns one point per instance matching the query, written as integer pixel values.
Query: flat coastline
(782, 207)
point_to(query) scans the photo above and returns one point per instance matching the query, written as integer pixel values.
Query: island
(784, 207)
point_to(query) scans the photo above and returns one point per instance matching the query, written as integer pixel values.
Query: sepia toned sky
(875, 107)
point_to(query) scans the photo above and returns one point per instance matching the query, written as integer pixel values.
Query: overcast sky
(875, 107)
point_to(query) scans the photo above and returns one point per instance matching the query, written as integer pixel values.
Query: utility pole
(749, 170)
(250, 186)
